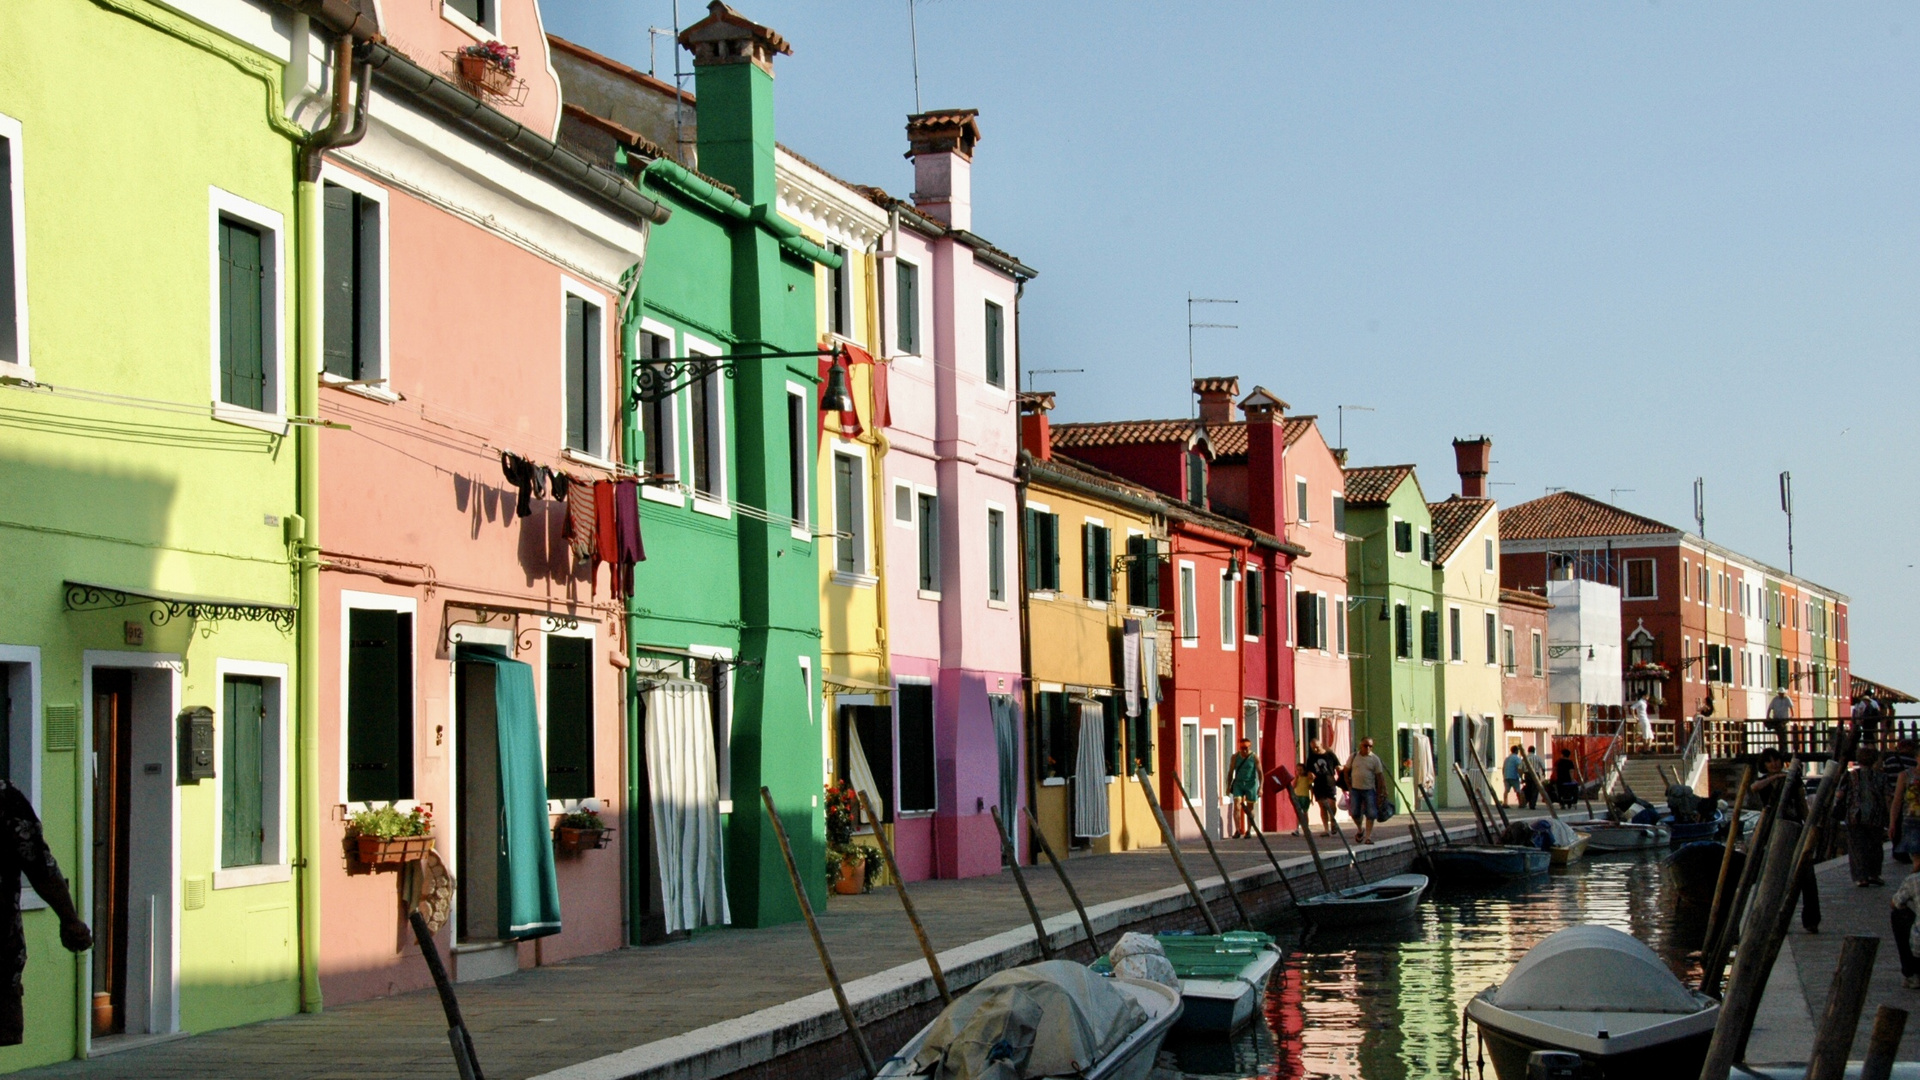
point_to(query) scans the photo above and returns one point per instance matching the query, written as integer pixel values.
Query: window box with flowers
(386, 836)
(581, 830)
(488, 67)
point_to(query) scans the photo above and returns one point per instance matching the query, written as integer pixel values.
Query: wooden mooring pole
(1834, 1038)
(1173, 849)
(819, 943)
(1212, 851)
(1726, 858)
(465, 1060)
(1019, 879)
(1713, 964)
(1751, 963)
(1883, 1046)
(900, 886)
(1060, 868)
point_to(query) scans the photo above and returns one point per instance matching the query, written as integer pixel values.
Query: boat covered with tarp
(1601, 994)
(1055, 1018)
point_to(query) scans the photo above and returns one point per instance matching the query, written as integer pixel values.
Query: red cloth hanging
(606, 532)
(882, 411)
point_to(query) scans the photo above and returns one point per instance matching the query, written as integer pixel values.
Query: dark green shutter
(996, 345)
(242, 828)
(1052, 567)
(1137, 563)
(243, 335)
(1256, 605)
(1030, 547)
(379, 706)
(1111, 719)
(996, 555)
(569, 718)
(1429, 635)
(843, 514)
(578, 377)
(340, 265)
(1089, 588)
(930, 543)
(1303, 620)
(9, 326)
(907, 310)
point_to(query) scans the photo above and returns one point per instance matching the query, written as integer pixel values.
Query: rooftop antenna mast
(1613, 494)
(913, 41)
(1700, 505)
(1786, 504)
(1340, 415)
(1193, 407)
(653, 39)
(679, 94)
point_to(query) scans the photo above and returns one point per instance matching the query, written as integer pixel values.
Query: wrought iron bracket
(86, 596)
(481, 615)
(655, 381)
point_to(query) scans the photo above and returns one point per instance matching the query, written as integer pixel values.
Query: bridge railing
(1806, 737)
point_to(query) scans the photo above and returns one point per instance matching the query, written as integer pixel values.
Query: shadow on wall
(542, 539)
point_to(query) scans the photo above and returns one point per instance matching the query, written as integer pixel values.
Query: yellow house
(845, 479)
(1093, 543)
(1466, 571)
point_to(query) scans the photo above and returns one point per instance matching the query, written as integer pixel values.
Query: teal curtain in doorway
(529, 889)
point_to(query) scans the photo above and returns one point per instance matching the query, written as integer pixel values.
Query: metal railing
(1806, 737)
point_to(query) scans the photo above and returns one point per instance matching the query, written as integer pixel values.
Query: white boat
(1622, 836)
(1051, 1019)
(1222, 978)
(1395, 897)
(1601, 994)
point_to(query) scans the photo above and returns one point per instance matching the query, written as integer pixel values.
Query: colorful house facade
(1528, 716)
(1466, 570)
(1323, 605)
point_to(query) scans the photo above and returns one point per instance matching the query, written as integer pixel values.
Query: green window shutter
(340, 265)
(1111, 717)
(843, 514)
(242, 790)
(996, 345)
(996, 555)
(243, 338)
(929, 509)
(9, 328)
(379, 706)
(1088, 587)
(576, 374)
(1052, 567)
(1030, 547)
(569, 718)
(1429, 635)
(907, 310)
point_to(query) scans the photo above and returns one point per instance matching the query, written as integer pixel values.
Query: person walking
(1510, 775)
(1863, 809)
(1243, 786)
(1323, 769)
(1530, 783)
(1779, 711)
(1566, 782)
(1772, 788)
(1366, 775)
(1866, 719)
(1642, 723)
(24, 853)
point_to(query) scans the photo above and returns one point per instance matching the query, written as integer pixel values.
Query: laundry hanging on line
(526, 477)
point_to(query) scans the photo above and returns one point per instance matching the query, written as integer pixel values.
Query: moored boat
(1693, 869)
(1222, 977)
(1622, 835)
(1601, 994)
(1685, 832)
(1389, 898)
(1562, 854)
(1089, 1027)
(1466, 864)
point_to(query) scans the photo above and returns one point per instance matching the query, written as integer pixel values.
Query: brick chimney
(1266, 460)
(1473, 457)
(1216, 398)
(733, 85)
(1036, 431)
(940, 144)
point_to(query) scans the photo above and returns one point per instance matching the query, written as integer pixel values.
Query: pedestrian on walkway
(1530, 783)
(1779, 711)
(23, 852)
(1771, 788)
(1866, 719)
(1863, 803)
(1566, 783)
(1324, 768)
(1898, 761)
(1243, 786)
(1642, 723)
(1510, 775)
(1906, 906)
(1366, 775)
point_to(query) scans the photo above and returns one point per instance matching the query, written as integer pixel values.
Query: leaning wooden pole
(465, 1060)
(1883, 1046)
(1713, 964)
(1319, 867)
(1473, 803)
(1060, 868)
(819, 943)
(1173, 849)
(1212, 851)
(1020, 880)
(1750, 963)
(1353, 860)
(1434, 812)
(1834, 1037)
(900, 886)
(1262, 837)
(1726, 858)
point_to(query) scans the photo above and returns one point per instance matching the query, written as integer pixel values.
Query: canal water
(1384, 1002)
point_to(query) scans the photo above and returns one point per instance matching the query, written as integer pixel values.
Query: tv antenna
(1037, 372)
(1786, 504)
(1613, 494)
(913, 42)
(654, 34)
(1700, 505)
(1340, 416)
(1193, 406)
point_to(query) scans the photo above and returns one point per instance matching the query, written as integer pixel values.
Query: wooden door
(112, 784)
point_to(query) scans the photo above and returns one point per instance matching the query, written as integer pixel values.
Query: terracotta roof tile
(1523, 598)
(1372, 485)
(1217, 384)
(1452, 521)
(1567, 514)
(1298, 426)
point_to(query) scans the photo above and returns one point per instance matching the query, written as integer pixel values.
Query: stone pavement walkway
(538, 1020)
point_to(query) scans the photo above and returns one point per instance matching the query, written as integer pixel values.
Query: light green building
(148, 394)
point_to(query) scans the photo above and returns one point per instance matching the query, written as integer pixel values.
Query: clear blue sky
(1634, 243)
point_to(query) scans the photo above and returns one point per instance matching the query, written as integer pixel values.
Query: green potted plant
(846, 863)
(386, 836)
(580, 830)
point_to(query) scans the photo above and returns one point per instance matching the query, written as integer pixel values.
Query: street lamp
(655, 381)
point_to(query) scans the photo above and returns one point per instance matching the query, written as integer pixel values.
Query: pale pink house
(949, 309)
(1323, 608)
(472, 307)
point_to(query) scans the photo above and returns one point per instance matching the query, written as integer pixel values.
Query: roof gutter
(672, 174)
(1042, 472)
(465, 112)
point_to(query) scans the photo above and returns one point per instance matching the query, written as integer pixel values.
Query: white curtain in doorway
(1090, 816)
(1423, 765)
(860, 773)
(686, 805)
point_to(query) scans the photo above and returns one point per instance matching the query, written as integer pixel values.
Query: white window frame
(379, 389)
(1686, 573)
(588, 631)
(1492, 565)
(24, 689)
(278, 867)
(673, 494)
(802, 528)
(1341, 627)
(939, 575)
(488, 32)
(1423, 545)
(893, 512)
(1187, 580)
(1038, 509)
(1393, 540)
(1509, 651)
(598, 434)
(1537, 657)
(715, 503)
(1336, 510)
(1190, 763)
(1009, 540)
(221, 204)
(1229, 612)
(1686, 669)
(1653, 575)
(863, 575)
(351, 601)
(1490, 621)
(10, 130)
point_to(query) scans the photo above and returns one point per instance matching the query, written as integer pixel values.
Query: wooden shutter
(1303, 620)
(907, 310)
(1111, 718)
(1430, 635)
(243, 361)
(569, 718)
(1051, 568)
(1089, 583)
(843, 514)
(1106, 564)
(930, 543)
(996, 345)
(1030, 547)
(1256, 605)
(916, 748)
(576, 374)
(340, 271)
(379, 705)
(9, 311)
(242, 788)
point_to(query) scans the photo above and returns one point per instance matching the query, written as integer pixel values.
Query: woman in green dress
(1243, 784)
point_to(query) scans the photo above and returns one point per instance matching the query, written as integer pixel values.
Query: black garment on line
(528, 478)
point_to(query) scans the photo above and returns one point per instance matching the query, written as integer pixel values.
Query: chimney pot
(1473, 457)
(1036, 430)
(1216, 398)
(940, 145)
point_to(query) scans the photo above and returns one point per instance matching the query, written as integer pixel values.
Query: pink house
(473, 285)
(1315, 500)
(949, 306)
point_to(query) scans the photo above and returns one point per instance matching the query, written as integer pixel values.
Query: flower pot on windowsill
(484, 74)
(377, 851)
(572, 841)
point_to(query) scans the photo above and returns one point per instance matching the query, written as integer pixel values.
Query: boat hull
(1608, 836)
(1682, 1057)
(1694, 870)
(1391, 898)
(1570, 853)
(1471, 864)
(1131, 1060)
(1224, 1006)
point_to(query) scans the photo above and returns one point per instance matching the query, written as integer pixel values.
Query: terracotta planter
(853, 877)
(485, 75)
(571, 840)
(373, 851)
